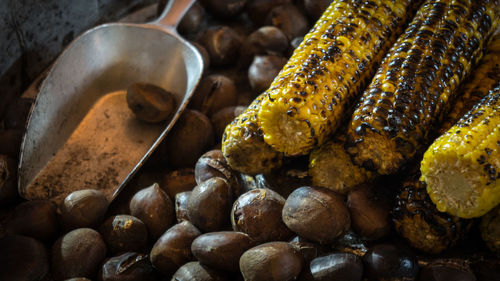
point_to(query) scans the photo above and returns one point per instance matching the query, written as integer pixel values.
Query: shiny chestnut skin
(209, 205)
(258, 214)
(222, 43)
(221, 250)
(316, 213)
(192, 20)
(289, 19)
(83, 208)
(181, 211)
(124, 233)
(22, 258)
(192, 135)
(78, 253)
(37, 219)
(215, 92)
(274, 261)
(446, 270)
(154, 208)
(224, 8)
(8, 177)
(309, 250)
(150, 103)
(263, 70)
(128, 266)
(370, 211)
(213, 164)
(390, 262)
(337, 266)
(173, 248)
(196, 271)
(178, 181)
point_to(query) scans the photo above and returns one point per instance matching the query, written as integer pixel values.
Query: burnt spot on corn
(416, 218)
(418, 80)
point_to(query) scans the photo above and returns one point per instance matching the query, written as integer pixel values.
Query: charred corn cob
(243, 145)
(462, 167)
(306, 101)
(417, 80)
(330, 166)
(417, 220)
(490, 229)
(483, 78)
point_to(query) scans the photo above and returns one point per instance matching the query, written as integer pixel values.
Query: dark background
(33, 33)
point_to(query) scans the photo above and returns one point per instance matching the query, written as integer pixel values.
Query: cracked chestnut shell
(128, 266)
(222, 43)
(150, 103)
(124, 233)
(215, 92)
(213, 164)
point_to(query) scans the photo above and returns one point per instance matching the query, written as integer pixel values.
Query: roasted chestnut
(223, 117)
(173, 249)
(337, 266)
(267, 40)
(222, 44)
(178, 181)
(181, 211)
(78, 253)
(209, 205)
(128, 266)
(315, 8)
(263, 70)
(192, 20)
(196, 271)
(257, 10)
(289, 19)
(316, 213)
(213, 164)
(271, 261)
(390, 262)
(22, 258)
(258, 214)
(221, 250)
(446, 270)
(214, 93)
(124, 233)
(37, 219)
(83, 208)
(224, 8)
(154, 208)
(149, 102)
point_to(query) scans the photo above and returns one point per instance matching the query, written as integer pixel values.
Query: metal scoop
(81, 133)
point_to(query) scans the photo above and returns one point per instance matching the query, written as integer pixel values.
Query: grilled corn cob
(330, 166)
(243, 145)
(462, 167)
(490, 229)
(416, 219)
(306, 101)
(417, 80)
(483, 78)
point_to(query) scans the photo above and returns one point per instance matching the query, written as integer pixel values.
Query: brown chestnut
(192, 20)
(224, 8)
(317, 214)
(309, 250)
(78, 253)
(390, 262)
(129, 266)
(37, 219)
(178, 181)
(196, 271)
(154, 208)
(445, 270)
(192, 135)
(83, 208)
(181, 200)
(267, 40)
(214, 93)
(274, 261)
(258, 214)
(222, 43)
(337, 266)
(213, 164)
(173, 249)
(369, 211)
(257, 10)
(289, 19)
(204, 54)
(209, 205)
(22, 258)
(223, 117)
(124, 233)
(315, 8)
(221, 250)
(8, 177)
(150, 103)
(263, 70)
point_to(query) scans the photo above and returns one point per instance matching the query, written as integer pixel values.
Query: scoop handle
(173, 13)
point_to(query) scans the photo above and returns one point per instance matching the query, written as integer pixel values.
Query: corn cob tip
(374, 151)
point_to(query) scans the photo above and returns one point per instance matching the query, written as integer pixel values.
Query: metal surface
(70, 111)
